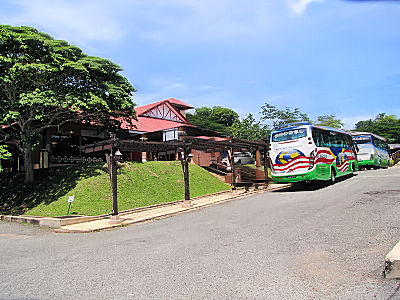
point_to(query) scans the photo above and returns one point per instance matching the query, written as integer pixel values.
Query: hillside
(139, 184)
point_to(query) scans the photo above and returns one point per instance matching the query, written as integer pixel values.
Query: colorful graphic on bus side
(290, 160)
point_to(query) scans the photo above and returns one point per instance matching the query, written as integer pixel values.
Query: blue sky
(323, 56)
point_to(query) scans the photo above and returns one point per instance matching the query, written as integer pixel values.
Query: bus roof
(357, 133)
(292, 126)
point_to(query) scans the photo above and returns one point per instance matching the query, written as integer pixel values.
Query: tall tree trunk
(28, 164)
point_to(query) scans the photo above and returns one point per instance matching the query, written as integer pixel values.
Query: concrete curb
(21, 219)
(392, 263)
(48, 221)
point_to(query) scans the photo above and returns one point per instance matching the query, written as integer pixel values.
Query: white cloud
(170, 84)
(190, 20)
(206, 87)
(299, 6)
(78, 21)
(161, 21)
(350, 122)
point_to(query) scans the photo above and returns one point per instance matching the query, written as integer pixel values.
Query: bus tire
(333, 176)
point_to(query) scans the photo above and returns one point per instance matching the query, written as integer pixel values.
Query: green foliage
(45, 82)
(4, 154)
(225, 116)
(330, 121)
(139, 184)
(249, 128)
(216, 118)
(384, 125)
(282, 116)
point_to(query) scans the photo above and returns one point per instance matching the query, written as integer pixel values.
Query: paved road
(324, 243)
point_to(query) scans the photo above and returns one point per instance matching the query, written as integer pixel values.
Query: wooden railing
(396, 156)
(74, 159)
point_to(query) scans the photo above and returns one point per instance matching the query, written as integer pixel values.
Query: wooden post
(232, 162)
(185, 167)
(112, 170)
(266, 164)
(113, 174)
(258, 159)
(259, 173)
(144, 154)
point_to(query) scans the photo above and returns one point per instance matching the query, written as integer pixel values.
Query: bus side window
(374, 141)
(345, 141)
(320, 140)
(327, 139)
(341, 140)
(317, 137)
(333, 141)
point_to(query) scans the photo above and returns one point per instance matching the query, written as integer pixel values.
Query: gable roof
(145, 124)
(151, 119)
(172, 101)
(165, 111)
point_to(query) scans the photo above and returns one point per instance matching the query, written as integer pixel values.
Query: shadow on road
(311, 185)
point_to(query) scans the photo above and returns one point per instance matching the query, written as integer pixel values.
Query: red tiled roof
(145, 124)
(212, 138)
(142, 109)
(179, 102)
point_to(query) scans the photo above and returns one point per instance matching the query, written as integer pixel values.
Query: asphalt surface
(326, 242)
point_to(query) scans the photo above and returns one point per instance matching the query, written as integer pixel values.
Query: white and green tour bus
(372, 150)
(305, 152)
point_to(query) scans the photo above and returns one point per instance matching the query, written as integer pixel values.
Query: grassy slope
(139, 184)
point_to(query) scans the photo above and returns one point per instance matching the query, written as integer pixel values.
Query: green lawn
(139, 184)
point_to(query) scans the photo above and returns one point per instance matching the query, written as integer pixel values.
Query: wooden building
(160, 121)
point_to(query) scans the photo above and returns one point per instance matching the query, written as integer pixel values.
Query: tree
(282, 116)
(250, 129)
(367, 126)
(329, 120)
(384, 125)
(46, 82)
(224, 116)
(216, 118)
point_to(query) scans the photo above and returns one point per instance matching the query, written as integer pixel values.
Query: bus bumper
(311, 175)
(363, 163)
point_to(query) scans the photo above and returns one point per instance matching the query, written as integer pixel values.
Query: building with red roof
(160, 121)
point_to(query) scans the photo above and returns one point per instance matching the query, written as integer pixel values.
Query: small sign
(71, 199)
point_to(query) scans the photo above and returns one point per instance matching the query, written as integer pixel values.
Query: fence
(74, 159)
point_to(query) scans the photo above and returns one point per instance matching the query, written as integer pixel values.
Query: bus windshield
(289, 135)
(362, 139)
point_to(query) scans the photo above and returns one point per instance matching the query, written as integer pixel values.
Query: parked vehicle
(305, 152)
(243, 158)
(372, 150)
